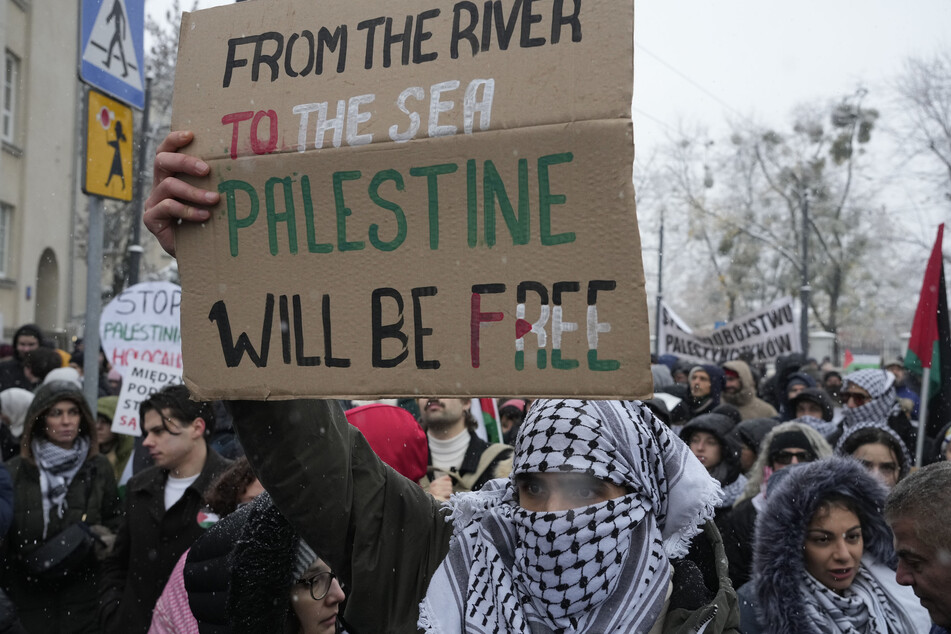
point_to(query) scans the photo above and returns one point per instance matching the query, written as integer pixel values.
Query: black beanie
(792, 439)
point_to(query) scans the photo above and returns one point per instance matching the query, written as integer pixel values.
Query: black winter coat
(149, 544)
(70, 605)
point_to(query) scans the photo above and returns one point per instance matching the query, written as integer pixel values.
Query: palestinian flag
(848, 360)
(207, 518)
(930, 342)
(489, 410)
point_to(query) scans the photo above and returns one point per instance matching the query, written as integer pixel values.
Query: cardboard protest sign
(141, 380)
(429, 199)
(765, 334)
(143, 323)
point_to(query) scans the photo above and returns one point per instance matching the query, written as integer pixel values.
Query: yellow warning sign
(108, 170)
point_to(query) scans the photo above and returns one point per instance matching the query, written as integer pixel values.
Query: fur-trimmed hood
(781, 533)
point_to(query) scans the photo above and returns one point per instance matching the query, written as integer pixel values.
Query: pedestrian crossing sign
(108, 166)
(112, 57)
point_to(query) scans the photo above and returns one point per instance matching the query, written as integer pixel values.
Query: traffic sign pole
(93, 303)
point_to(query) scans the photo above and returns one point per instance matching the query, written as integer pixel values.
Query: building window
(6, 220)
(11, 75)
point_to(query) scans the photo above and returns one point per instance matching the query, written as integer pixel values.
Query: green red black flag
(930, 342)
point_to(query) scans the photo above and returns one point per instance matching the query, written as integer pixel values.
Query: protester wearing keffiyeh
(603, 567)
(880, 385)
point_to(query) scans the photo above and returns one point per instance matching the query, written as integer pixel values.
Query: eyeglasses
(319, 584)
(859, 398)
(785, 457)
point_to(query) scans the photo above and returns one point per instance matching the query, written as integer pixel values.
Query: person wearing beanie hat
(278, 584)
(116, 447)
(787, 443)
(59, 479)
(739, 390)
(706, 386)
(511, 415)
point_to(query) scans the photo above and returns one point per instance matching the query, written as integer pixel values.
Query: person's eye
(913, 563)
(531, 488)
(585, 492)
(819, 540)
(853, 538)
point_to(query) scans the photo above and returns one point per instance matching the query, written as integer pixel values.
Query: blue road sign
(112, 48)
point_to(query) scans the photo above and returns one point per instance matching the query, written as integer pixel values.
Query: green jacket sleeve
(380, 533)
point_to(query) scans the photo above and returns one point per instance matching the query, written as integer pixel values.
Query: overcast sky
(703, 60)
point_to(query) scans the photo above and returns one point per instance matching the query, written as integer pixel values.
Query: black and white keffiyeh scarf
(880, 385)
(864, 608)
(599, 568)
(57, 467)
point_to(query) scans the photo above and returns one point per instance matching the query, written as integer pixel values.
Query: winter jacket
(738, 530)
(750, 405)
(150, 541)
(380, 533)
(6, 502)
(479, 465)
(778, 561)
(68, 605)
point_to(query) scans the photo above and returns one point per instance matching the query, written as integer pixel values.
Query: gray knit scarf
(58, 467)
(599, 568)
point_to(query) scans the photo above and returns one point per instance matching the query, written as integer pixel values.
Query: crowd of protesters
(732, 501)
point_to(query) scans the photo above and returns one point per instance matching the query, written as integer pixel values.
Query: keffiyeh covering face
(880, 385)
(603, 567)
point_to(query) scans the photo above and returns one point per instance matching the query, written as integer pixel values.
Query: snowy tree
(743, 201)
(924, 96)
